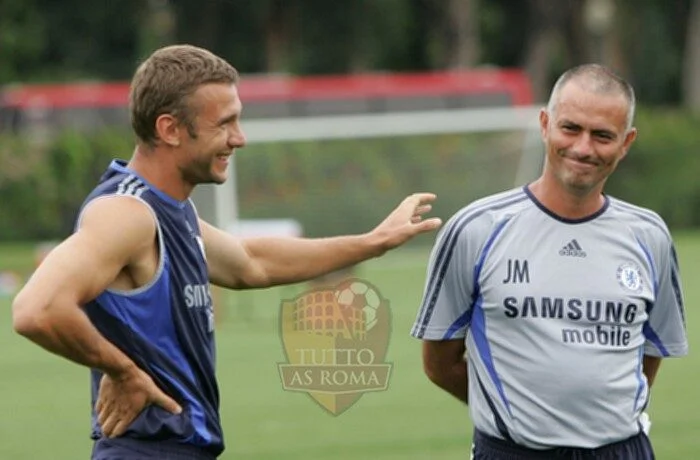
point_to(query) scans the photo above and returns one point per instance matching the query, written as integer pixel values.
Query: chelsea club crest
(629, 275)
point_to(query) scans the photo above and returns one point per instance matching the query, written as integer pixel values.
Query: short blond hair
(165, 80)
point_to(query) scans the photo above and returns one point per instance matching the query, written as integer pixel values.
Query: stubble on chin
(577, 184)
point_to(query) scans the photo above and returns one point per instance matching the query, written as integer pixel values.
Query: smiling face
(215, 134)
(586, 134)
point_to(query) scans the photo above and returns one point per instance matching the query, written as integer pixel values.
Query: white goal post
(224, 212)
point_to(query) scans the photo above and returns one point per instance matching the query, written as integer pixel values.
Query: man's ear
(630, 136)
(544, 123)
(168, 129)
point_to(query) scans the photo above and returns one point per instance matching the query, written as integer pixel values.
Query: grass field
(46, 405)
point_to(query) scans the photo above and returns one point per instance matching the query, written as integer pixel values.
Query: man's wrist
(121, 370)
(376, 242)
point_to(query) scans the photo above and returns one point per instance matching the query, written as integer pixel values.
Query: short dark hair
(602, 80)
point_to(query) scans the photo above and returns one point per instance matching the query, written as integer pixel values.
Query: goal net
(321, 176)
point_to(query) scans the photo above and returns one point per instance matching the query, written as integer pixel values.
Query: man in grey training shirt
(563, 299)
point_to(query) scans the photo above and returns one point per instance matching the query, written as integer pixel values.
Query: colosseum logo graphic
(335, 341)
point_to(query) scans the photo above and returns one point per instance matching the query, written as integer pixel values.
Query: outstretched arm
(444, 364)
(269, 261)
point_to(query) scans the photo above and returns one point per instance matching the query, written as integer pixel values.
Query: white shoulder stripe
(124, 184)
(131, 188)
(131, 185)
(139, 191)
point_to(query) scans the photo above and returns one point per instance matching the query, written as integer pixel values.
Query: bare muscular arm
(115, 233)
(48, 308)
(269, 261)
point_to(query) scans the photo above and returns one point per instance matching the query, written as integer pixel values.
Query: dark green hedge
(42, 186)
(663, 167)
(347, 186)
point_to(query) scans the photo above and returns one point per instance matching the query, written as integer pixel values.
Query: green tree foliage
(49, 40)
(45, 40)
(22, 38)
(660, 171)
(57, 176)
(652, 37)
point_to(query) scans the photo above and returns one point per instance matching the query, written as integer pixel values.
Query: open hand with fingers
(122, 398)
(407, 220)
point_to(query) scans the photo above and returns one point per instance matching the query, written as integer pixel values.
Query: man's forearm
(455, 381)
(650, 367)
(290, 260)
(68, 332)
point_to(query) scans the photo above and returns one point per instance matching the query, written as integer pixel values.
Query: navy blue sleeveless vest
(167, 326)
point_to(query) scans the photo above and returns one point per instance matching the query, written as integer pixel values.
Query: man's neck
(564, 202)
(157, 167)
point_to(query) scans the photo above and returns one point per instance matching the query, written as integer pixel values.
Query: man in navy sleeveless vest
(127, 295)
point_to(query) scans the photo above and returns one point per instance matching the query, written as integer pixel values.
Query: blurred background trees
(655, 43)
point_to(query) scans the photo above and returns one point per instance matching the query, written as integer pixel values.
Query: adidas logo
(572, 249)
